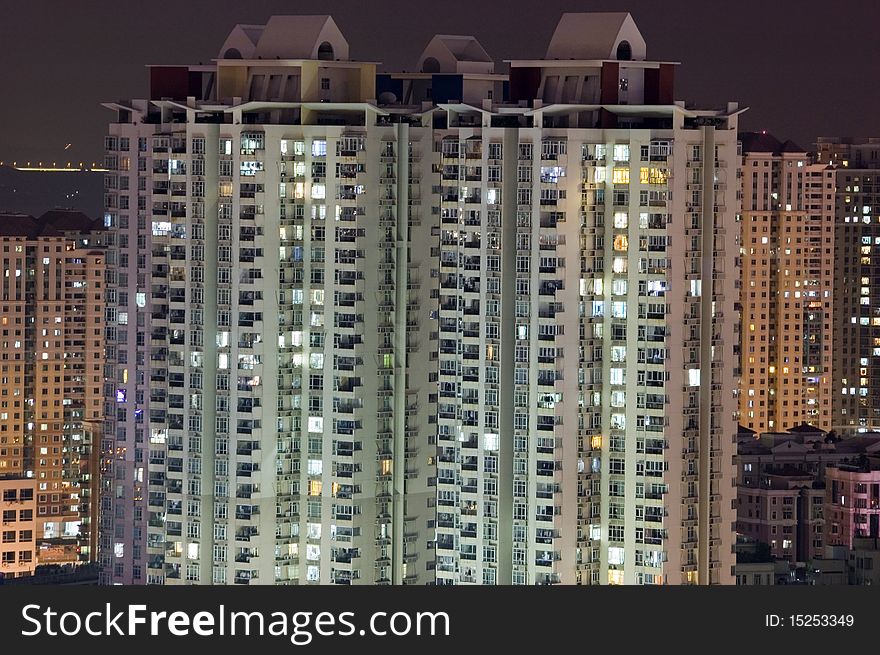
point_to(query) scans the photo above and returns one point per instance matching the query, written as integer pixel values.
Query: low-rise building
(852, 502)
(18, 508)
(864, 561)
(782, 511)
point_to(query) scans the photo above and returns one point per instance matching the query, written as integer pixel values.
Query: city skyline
(473, 320)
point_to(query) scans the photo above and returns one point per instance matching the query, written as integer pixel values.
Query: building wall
(856, 395)
(402, 345)
(18, 526)
(763, 574)
(52, 383)
(786, 288)
(300, 453)
(771, 517)
(852, 505)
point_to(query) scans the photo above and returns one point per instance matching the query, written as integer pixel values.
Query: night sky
(804, 68)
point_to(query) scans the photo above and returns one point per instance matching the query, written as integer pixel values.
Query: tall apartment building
(786, 294)
(415, 327)
(856, 352)
(51, 376)
(589, 217)
(269, 322)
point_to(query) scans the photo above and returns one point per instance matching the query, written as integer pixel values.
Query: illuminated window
(621, 242)
(620, 175)
(315, 487)
(615, 577)
(658, 176)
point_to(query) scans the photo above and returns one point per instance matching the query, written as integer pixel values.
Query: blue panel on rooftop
(446, 88)
(386, 83)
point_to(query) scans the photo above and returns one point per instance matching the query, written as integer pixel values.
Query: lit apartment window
(620, 175)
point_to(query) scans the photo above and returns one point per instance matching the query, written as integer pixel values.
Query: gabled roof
(66, 220)
(463, 48)
(805, 427)
(595, 35)
(53, 223)
(285, 37)
(789, 447)
(252, 32)
(455, 53)
(18, 225)
(766, 142)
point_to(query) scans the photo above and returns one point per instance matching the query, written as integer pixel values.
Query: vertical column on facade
(209, 386)
(707, 259)
(510, 163)
(401, 270)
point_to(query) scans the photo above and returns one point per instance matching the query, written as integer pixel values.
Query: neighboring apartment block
(856, 309)
(51, 374)
(787, 280)
(441, 326)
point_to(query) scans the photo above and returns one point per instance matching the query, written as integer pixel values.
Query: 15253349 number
(821, 620)
(809, 621)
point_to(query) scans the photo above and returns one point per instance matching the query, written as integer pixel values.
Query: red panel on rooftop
(667, 84)
(610, 82)
(171, 82)
(524, 83)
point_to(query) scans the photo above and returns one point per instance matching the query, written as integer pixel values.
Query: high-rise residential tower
(786, 294)
(436, 326)
(270, 324)
(51, 380)
(587, 290)
(856, 310)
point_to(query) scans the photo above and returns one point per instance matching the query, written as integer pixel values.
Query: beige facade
(18, 526)
(787, 275)
(437, 335)
(52, 372)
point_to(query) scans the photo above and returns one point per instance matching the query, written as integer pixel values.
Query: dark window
(325, 51)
